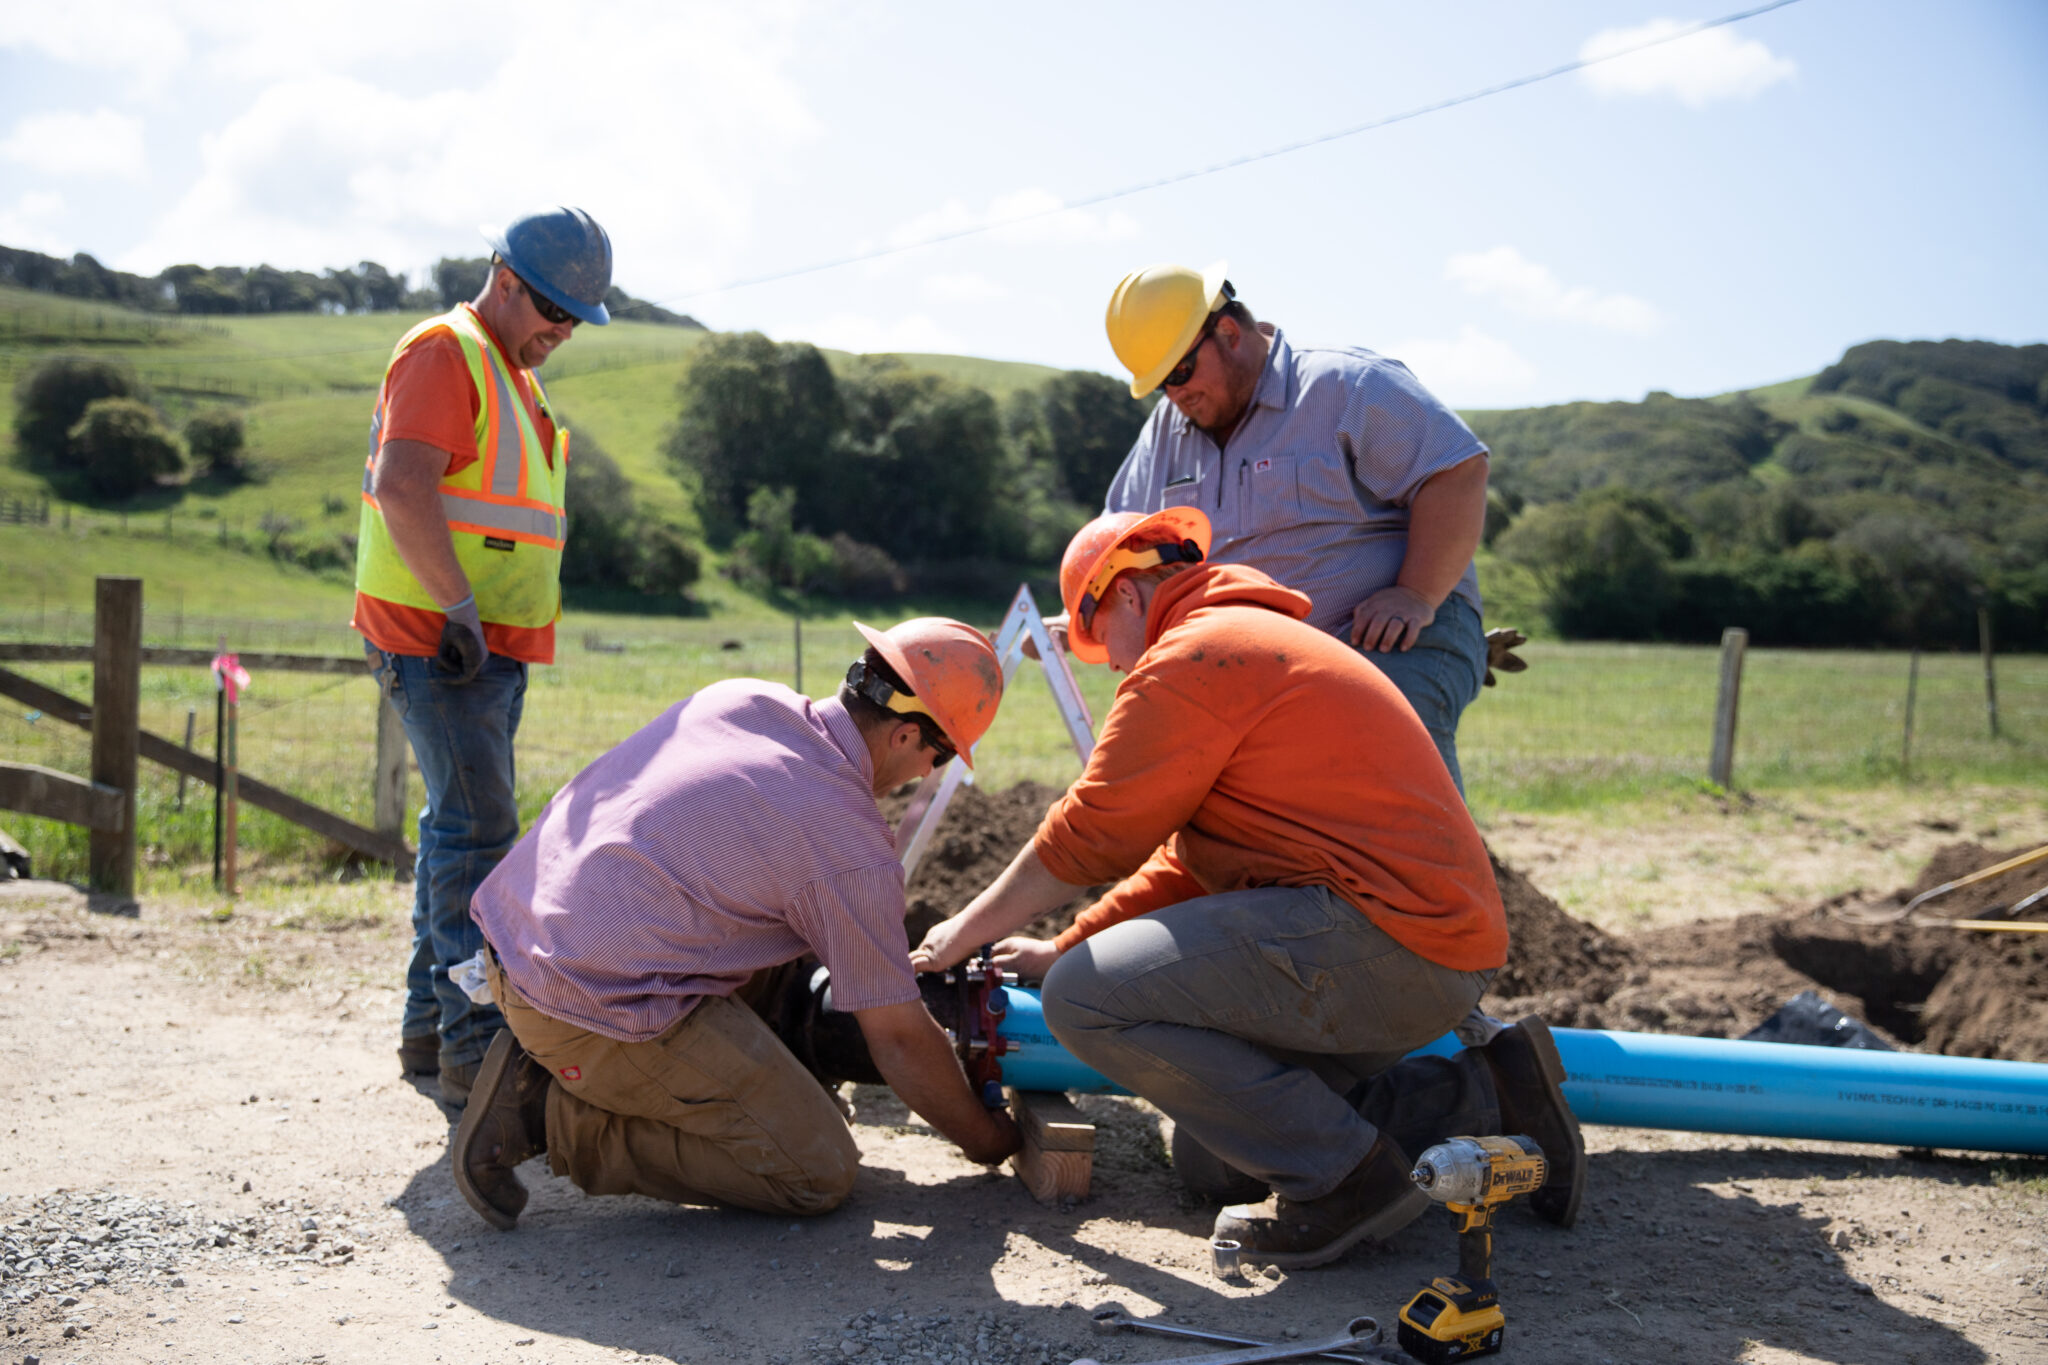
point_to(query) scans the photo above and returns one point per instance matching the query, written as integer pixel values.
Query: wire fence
(1587, 723)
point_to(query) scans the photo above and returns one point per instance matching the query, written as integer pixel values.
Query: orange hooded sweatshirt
(1248, 749)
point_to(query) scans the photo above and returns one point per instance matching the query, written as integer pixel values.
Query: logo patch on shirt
(498, 543)
(1262, 466)
(572, 1073)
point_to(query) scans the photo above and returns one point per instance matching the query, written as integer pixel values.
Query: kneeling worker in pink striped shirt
(735, 833)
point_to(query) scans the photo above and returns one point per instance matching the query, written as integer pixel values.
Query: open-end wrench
(1358, 1336)
(1112, 1317)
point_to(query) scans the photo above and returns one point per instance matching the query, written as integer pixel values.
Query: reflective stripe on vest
(504, 511)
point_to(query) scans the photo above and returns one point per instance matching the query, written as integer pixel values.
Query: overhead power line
(1249, 158)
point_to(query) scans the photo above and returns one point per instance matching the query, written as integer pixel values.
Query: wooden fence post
(1912, 695)
(1721, 764)
(116, 723)
(389, 788)
(1990, 672)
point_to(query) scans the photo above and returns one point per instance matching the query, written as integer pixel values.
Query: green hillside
(1884, 500)
(1881, 501)
(303, 384)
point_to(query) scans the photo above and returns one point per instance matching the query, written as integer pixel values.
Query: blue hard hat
(564, 254)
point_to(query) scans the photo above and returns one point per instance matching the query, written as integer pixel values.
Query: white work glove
(463, 651)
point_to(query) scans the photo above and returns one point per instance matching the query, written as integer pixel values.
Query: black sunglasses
(1183, 372)
(547, 307)
(878, 691)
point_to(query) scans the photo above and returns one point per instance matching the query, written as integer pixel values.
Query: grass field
(1586, 726)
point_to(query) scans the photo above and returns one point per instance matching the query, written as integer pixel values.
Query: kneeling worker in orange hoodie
(1297, 909)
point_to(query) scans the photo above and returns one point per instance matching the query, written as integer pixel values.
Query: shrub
(214, 437)
(122, 448)
(669, 564)
(863, 570)
(52, 398)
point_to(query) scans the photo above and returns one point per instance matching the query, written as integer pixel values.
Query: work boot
(1528, 1076)
(504, 1124)
(1376, 1200)
(419, 1054)
(1208, 1176)
(457, 1079)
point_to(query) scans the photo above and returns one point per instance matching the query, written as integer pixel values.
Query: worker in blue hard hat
(458, 584)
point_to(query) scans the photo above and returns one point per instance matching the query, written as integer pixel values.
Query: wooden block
(1058, 1158)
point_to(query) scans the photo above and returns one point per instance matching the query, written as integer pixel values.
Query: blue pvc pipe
(1713, 1085)
(1039, 1062)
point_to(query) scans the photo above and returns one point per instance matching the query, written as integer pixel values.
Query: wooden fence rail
(19, 652)
(384, 847)
(51, 795)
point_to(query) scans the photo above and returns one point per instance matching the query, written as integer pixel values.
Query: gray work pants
(1272, 1025)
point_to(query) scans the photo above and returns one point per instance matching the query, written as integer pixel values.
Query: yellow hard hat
(1154, 316)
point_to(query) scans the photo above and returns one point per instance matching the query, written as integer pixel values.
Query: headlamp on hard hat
(868, 683)
(1123, 561)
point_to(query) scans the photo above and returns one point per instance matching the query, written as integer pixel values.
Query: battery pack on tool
(1452, 1320)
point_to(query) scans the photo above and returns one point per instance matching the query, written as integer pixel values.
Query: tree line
(365, 287)
(1906, 489)
(877, 476)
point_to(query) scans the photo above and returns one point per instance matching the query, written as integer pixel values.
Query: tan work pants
(714, 1111)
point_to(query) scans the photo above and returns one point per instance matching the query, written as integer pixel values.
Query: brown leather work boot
(1528, 1076)
(419, 1054)
(1376, 1200)
(1208, 1176)
(504, 1124)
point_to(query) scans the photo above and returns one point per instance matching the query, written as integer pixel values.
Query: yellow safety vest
(505, 511)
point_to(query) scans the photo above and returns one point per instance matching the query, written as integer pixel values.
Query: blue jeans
(1272, 1024)
(1440, 674)
(461, 733)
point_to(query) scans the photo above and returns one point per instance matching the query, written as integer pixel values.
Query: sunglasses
(547, 307)
(1183, 372)
(878, 691)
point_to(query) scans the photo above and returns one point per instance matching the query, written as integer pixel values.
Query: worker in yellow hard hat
(1330, 468)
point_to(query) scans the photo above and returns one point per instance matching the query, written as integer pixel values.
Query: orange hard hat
(952, 669)
(1102, 549)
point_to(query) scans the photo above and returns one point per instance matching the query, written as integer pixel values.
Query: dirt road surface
(209, 1157)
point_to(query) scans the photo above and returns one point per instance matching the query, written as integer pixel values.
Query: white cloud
(866, 335)
(31, 224)
(144, 40)
(1714, 64)
(1532, 290)
(325, 168)
(1026, 216)
(1475, 368)
(967, 286)
(100, 143)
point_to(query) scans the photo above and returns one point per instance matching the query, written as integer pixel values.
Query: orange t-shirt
(1249, 749)
(429, 397)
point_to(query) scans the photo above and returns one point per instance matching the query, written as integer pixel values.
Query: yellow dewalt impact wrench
(1458, 1317)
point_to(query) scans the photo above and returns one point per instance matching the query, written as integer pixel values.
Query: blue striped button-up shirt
(737, 831)
(1314, 485)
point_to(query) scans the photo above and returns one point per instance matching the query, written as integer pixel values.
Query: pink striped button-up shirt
(737, 831)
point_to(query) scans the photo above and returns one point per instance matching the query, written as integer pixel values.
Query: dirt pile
(1935, 988)
(1975, 993)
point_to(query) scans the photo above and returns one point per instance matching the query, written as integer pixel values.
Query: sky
(1729, 209)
